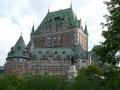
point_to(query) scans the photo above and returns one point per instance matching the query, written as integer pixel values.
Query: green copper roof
(57, 53)
(19, 50)
(95, 46)
(59, 17)
(79, 52)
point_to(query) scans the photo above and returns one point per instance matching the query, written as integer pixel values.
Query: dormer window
(12, 52)
(43, 56)
(19, 48)
(58, 56)
(67, 56)
(47, 52)
(25, 54)
(63, 52)
(55, 52)
(40, 52)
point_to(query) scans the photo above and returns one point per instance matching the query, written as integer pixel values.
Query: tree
(112, 77)
(111, 71)
(88, 79)
(111, 45)
(10, 82)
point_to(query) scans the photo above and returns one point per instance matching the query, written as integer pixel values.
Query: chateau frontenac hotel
(58, 43)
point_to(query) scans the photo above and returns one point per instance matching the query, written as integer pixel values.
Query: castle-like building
(58, 43)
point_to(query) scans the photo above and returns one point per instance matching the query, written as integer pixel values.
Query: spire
(32, 32)
(48, 9)
(85, 30)
(79, 22)
(71, 4)
(21, 33)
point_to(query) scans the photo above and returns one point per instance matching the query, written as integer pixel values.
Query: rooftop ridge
(58, 16)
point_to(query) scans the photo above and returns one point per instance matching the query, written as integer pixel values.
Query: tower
(17, 59)
(59, 42)
(60, 29)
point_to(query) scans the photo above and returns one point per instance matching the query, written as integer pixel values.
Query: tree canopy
(111, 45)
(90, 78)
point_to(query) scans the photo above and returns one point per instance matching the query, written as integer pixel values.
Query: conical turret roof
(19, 50)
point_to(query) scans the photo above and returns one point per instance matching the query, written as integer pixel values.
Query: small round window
(55, 52)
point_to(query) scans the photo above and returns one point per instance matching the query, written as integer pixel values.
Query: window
(47, 52)
(55, 52)
(58, 73)
(25, 54)
(43, 56)
(83, 61)
(33, 67)
(67, 56)
(58, 56)
(63, 52)
(40, 52)
(17, 59)
(50, 61)
(12, 53)
(19, 48)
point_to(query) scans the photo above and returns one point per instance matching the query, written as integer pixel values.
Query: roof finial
(85, 29)
(71, 4)
(21, 30)
(32, 29)
(33, 22)
(48, 9)
(94, 43)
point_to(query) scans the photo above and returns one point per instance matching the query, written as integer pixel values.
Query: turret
(19, 50)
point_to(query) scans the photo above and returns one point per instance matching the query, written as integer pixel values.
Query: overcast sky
(18, 16)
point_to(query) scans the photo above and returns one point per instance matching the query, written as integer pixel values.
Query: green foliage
(113, 84)
(82, 83)
(10, 82)
(111, 45)
(112, 77)
(111, 71)
(90, 78)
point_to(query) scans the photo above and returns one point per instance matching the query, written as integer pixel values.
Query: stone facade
(58, 43)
